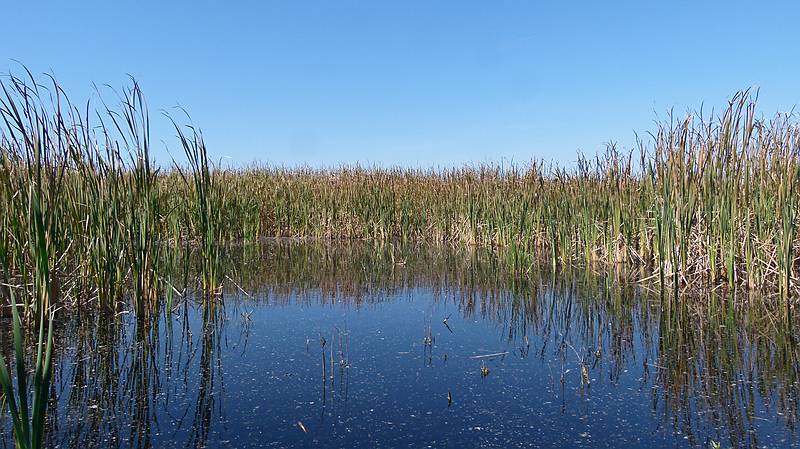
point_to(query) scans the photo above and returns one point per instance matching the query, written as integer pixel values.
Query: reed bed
(704, 203)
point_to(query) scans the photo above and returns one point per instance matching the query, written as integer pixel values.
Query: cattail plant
(206, 206)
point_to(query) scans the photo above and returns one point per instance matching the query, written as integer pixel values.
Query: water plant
(28, 421)
(206, 204)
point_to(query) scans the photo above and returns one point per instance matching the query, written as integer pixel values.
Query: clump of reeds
(207, 204)
(28, 421)
(81, 185)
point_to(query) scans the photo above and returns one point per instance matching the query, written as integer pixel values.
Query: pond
(352, 345)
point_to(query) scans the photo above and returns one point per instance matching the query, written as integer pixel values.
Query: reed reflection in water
(352, 344)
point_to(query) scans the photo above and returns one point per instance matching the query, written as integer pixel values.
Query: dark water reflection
(584, 361)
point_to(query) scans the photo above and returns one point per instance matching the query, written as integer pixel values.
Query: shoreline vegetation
(704, 203)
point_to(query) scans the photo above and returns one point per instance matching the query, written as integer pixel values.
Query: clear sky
(413, 83)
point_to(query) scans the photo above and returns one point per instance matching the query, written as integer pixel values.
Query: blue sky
(413, 83)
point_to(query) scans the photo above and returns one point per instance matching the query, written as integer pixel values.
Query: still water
(357, 346)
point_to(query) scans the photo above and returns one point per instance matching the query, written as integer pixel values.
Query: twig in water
(486, 356)
(322, 342)
(238, 286)
(444, 321)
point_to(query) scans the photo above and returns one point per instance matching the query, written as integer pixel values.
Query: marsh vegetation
(96, 237)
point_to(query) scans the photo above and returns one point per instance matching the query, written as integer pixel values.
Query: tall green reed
(206, 205)
(28, 421)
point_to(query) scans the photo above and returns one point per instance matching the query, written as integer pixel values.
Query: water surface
(357, 346)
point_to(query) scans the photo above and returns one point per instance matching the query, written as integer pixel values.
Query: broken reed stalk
(322, 342)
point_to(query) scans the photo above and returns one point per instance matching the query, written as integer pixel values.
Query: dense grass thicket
(85, 214)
